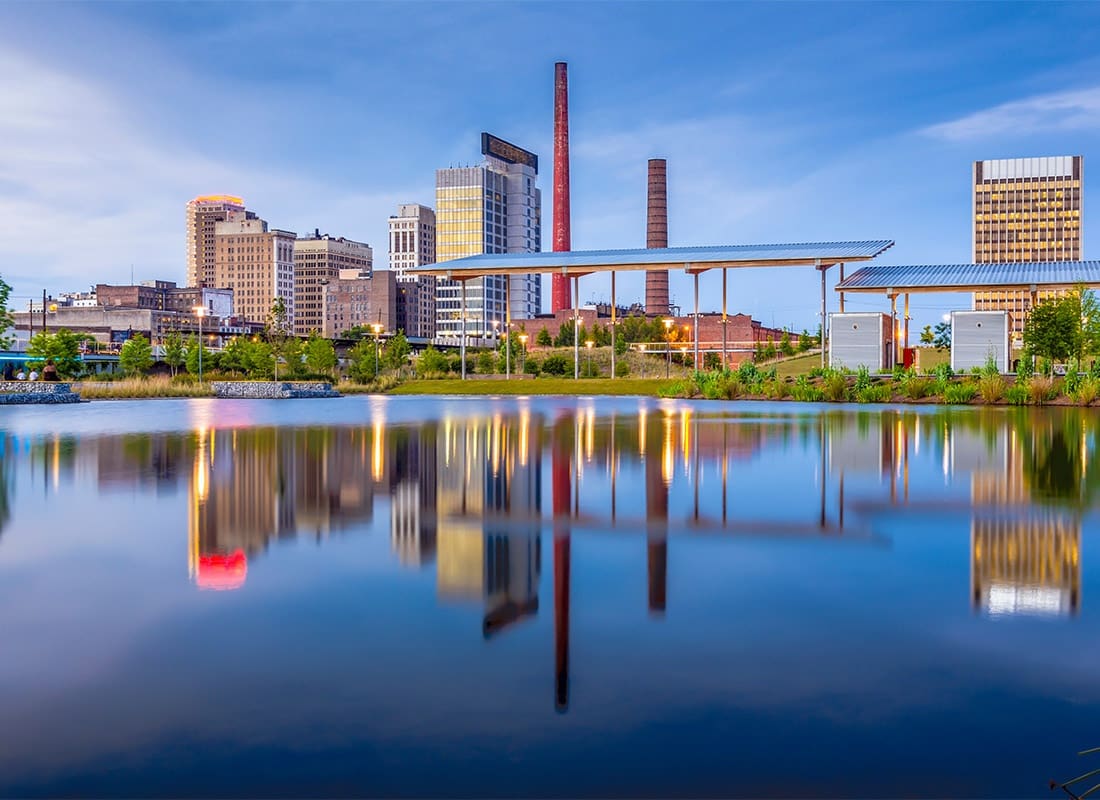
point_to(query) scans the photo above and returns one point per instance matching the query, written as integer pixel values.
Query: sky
(781, 122)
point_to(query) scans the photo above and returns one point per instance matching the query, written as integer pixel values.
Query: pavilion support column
(614, 337)
(724, 319)
(576, 329)
(842, 293)
(907, 320)
(893, 330)
(695, 331)
(824, 318)
(462, 327)
(507, 328)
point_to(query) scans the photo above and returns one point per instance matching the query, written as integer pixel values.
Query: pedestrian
(33, 376)
(22, 376)
(49, 372)
(9, 371)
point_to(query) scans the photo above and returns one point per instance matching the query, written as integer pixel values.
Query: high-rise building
(203, 213)
(257, 264)
(412, 244)
(493, 208)
(318, 260)
(1025, 210)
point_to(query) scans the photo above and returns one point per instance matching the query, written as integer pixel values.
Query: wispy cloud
(87, 189)
(1070, 110)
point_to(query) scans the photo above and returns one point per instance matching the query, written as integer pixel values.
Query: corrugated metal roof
(968, 277)
(744, 255)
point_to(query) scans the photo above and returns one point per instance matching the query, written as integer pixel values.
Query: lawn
(586, 386)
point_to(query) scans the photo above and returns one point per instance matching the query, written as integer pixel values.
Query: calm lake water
(546, 597)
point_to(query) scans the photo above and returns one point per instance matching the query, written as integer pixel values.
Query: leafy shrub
(875, 393)
(1016, 395)
(678, 389)
(1072, 380)
(1040, 390)
(485, 362)
(1026, 368)
(622, 369)
(915, 388)
(835, 387)
(805, 391)
(747, 372)
(863, 379)
(776, 389)
(532, 366)
(1087, 391)
(431, 361)
(990, 368)
(962, 393)
(991, 388)
(555, 364)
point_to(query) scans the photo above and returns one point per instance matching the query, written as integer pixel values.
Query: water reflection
(466, 494)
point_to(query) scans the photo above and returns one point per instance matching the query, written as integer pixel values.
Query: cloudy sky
(780, 122)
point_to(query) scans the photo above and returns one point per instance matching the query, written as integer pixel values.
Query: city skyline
(836, 122)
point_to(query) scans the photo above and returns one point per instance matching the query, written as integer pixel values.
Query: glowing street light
(200, 312)
(523, 352)
(377, 328)
(589, 344)
(668, 347)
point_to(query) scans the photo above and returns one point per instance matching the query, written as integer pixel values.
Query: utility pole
(43, 311)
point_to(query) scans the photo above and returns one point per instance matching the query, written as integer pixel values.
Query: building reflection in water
(466, 494)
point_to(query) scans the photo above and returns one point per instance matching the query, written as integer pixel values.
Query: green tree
(173, 351)
(63, 347)
(620, 345)
(785, 345)
(805, 341)
(293, 353)
(277, 331)
(136, 355)
(235, 356)
(194, 348)
(565, 335)
(926, 336)
(1053, 329)
(7, 321)
(259, 359)
(1088, 313)
(942, 338)
(320, 355)
(484, 362)
(543, 339)
(362, 366)
(395, 354)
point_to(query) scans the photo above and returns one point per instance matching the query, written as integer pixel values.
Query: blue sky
(780, 122)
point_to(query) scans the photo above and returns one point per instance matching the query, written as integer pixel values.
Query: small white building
(861, 339)
(977, 336)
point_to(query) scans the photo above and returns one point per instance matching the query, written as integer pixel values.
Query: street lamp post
(523, 353)
(668, 347)
(589, 344)
(377, 328)
(200, 312)
(641, 349)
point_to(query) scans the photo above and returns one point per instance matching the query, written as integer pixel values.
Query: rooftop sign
(506, 151)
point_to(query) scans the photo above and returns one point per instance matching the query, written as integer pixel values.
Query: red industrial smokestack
(560, 295)
(656, 235)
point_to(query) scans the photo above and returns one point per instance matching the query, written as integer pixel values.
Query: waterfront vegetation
(985, 386)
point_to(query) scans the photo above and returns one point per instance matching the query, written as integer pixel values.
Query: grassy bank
(141, 388)
(540, 386)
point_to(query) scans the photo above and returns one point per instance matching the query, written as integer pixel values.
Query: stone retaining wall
(42, 392)
(271, 390)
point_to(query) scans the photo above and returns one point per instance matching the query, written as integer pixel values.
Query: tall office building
(318, 260)
(412, 244)
(1025, 210)
(493, 208)
(203, 213)
(257, 264)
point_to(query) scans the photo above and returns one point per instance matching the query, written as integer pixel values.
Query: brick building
(357, 298)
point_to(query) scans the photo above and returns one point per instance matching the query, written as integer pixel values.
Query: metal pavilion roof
(692, 259)
(972, 277)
